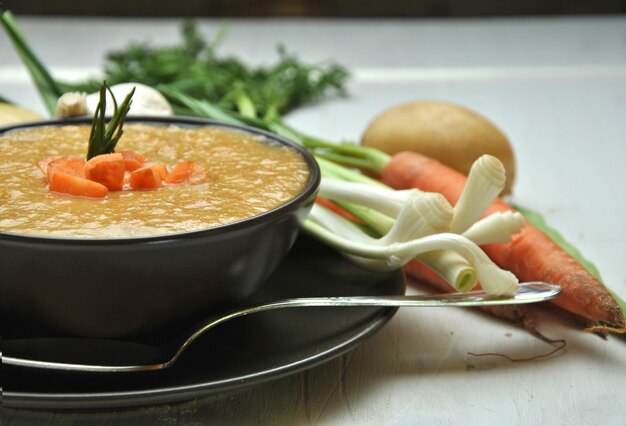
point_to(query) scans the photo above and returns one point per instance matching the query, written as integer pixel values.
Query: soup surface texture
(249, 176)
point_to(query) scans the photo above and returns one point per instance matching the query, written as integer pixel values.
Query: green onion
(485, 182)
(493, 279)
(417, 215)
(384, 200)
(5, 100)
(48, 88)
(495, 228)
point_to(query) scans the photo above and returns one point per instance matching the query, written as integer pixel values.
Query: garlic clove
(72, 104)
(146, 100)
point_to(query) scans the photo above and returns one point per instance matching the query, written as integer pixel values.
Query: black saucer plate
(240, 353)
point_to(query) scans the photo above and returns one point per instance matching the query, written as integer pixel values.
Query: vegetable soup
(247, 175)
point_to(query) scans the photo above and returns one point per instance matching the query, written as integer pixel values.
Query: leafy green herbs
(195, 69)
(104, 137)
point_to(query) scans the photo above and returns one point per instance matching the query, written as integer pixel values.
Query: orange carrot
(132, 160)
(43, 164)
(161, 171)
(107, 169)
(421, 272)
(531, 256)
(150, 177)
(187, 172)
(69, 165)
(335, 208)
(79, 187)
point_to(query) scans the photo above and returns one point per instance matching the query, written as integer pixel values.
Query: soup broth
(248, 176)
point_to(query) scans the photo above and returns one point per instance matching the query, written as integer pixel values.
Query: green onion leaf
(47, 86)
(6, 101)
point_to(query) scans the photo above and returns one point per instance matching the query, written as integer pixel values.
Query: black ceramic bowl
(128, 286)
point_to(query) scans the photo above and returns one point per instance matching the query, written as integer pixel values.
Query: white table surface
(555, 86)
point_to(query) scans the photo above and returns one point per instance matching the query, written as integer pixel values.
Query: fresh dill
(195, 69)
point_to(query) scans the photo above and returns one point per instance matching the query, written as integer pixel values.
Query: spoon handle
(530, 292)
(526, 293)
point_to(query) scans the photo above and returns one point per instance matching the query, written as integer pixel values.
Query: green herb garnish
(104, 137)
(195, 68)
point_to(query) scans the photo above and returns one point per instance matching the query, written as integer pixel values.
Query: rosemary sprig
(103, 138)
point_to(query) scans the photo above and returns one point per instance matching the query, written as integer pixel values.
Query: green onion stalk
(5, 100)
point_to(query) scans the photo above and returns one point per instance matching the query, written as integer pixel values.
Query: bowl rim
(307, 193)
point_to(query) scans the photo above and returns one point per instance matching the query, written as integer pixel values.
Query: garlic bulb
(146, 100)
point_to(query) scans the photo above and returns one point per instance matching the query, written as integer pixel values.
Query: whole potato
(449, 133)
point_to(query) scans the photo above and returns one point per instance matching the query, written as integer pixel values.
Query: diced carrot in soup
(43, 164)
(150, 177)
(107, 169)
(73, 166)
(161, 170)
(133, 160)
(187, 172)
(77, 186)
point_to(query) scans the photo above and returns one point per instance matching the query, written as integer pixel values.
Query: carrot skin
(531, 255)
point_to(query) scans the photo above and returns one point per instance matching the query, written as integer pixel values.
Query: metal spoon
(526, 293)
